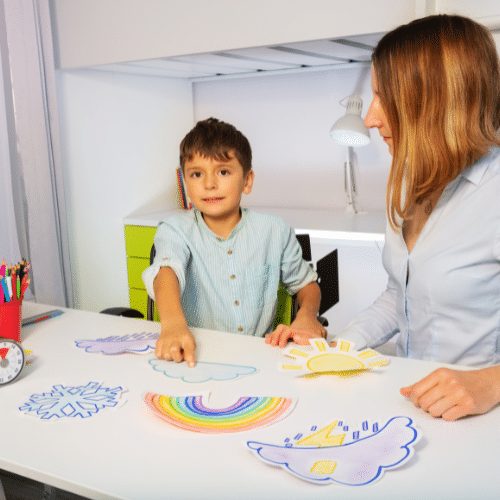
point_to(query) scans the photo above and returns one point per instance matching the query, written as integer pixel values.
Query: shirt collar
(201, 222)
(474, 173)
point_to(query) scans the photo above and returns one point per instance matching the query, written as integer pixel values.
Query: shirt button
(240, 328)
(233, 277)
(219, 239)
(236, 303)
(229, 252)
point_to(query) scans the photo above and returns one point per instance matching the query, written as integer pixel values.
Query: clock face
(11, 360)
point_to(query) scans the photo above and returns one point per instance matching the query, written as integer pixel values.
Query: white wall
(9, 241)
(287, 119)
(120, 136)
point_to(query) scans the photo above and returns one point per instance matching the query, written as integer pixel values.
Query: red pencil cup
(10, 320)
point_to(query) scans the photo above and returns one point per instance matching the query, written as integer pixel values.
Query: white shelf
(319, 224)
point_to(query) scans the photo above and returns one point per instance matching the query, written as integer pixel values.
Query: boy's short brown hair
(216, 139)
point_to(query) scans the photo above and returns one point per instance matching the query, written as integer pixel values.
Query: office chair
(328, 281)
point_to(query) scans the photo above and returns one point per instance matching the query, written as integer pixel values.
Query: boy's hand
(283, 334)
(304, 321)
(176, 346)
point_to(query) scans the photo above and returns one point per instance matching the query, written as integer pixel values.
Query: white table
(127, 454)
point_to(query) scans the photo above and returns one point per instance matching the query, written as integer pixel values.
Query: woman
(436, 103)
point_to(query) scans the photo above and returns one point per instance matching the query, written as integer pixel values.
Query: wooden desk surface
(128, 454)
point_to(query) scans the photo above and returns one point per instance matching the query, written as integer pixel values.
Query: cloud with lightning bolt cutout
(139, 343)
(325, 359)
(323, 458)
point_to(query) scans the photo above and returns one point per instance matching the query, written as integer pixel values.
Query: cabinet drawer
(135, 268)
(139, 240)
(139, 301)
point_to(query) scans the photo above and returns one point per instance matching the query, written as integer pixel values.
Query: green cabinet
(138, 243)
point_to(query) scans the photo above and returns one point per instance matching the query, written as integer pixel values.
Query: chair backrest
(151, 304)
(328, 277)
(328, 280)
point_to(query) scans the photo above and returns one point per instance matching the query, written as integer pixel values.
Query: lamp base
(350, 209)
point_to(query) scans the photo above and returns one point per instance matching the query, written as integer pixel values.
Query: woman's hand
(452, 394)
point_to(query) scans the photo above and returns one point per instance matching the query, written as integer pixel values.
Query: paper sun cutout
(81, 401)
(192, 414)
(324, 358)
(140, 343)
(202, 371)
(321, 458)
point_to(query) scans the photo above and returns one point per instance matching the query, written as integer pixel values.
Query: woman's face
(375, 116)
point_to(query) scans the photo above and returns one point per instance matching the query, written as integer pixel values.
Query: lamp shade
(349, 130)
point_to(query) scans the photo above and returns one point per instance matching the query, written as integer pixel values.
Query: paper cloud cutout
(140, 343)
(360, 462)
(202, 371)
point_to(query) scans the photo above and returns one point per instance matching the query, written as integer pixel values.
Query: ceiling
(298, 56)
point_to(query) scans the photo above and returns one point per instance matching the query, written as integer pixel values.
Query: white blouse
(448, 309)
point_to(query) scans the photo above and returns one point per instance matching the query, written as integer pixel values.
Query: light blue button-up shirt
(230, 284)
(449, 310)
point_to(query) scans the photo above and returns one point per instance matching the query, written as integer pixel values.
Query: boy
(219, 266)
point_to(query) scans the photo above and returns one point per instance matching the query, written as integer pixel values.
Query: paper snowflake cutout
(66, 402)
(140, 343)
(325, 359)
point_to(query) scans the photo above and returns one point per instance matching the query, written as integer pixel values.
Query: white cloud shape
(357, 463)
(202, 371)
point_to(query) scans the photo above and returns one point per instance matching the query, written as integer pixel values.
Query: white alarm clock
(12, 360)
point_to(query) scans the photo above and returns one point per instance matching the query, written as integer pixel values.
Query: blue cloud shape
(202, 371)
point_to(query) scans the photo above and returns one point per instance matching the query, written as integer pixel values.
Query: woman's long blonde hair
(439, 84)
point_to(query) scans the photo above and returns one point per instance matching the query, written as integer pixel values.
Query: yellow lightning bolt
(323, 438)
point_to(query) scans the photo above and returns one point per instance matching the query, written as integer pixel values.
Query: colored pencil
(5, 289)
(24, 287)
(41, 317)
(13, 280)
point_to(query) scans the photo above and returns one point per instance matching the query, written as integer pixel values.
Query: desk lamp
(350, 131)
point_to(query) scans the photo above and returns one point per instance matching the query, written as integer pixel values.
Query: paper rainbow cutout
(192, 414)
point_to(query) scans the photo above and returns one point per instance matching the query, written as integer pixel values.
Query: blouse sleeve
(375, 325)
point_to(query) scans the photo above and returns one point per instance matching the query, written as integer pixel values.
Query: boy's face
(215, 188)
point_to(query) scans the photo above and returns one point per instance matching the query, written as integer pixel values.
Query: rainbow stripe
(192, 414)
